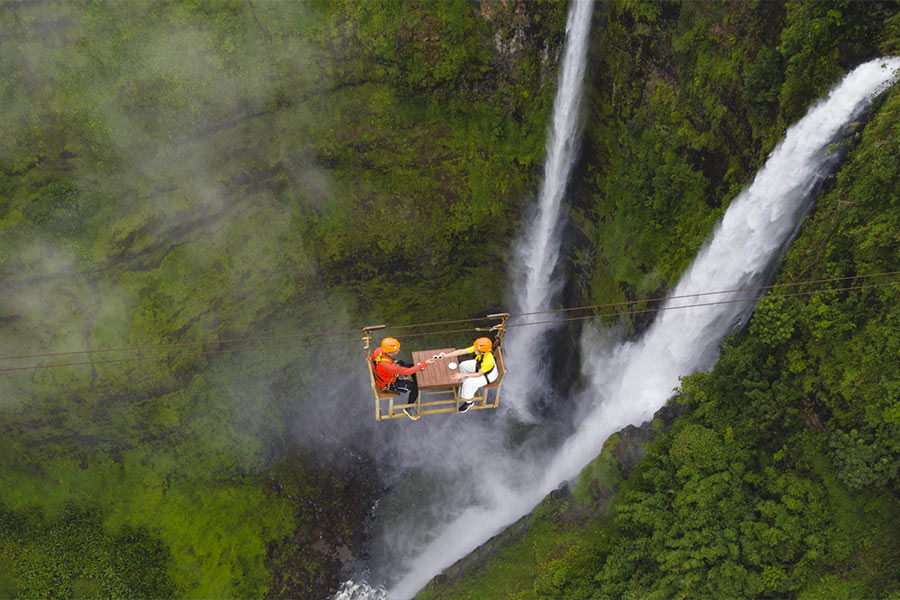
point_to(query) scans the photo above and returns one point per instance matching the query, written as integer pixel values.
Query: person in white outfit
(476, 373)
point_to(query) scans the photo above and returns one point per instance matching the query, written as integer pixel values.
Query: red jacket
(387, 371)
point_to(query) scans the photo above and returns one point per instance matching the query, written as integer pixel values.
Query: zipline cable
(181, 344)
(751, 289)
(444, 332)
(434, 323)
(734, 301)
(231, 340)
(180, 355)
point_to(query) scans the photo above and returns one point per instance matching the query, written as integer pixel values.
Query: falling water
(629, 382)
(351, 590)
(743, 252)
(536, 282)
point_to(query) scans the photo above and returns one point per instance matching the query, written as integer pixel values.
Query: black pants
(407, 385)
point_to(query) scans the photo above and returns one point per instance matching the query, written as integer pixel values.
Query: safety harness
(479, 360)
(380, 357)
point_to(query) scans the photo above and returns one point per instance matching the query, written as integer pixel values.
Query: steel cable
(755, 298)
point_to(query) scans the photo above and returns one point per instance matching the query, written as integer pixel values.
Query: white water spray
(535, 279)
(351, 590)
(535, 287)
(630, 382)
(743, 252)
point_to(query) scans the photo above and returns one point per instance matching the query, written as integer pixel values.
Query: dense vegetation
(179, 172)
(689, 99)
(175, 172)
(780, 479)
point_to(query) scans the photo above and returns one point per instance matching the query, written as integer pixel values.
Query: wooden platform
(438, 393)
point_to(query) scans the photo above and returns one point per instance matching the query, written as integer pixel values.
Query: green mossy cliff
(173, 173)
(176, 172)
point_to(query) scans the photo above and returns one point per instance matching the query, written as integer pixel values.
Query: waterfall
(536, 282)
(629, 382)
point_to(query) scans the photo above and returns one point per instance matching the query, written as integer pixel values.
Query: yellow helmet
(390, 344)
(483, 345)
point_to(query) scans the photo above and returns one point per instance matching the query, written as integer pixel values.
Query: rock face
(331, 515)
(620, 455)
(633, 440)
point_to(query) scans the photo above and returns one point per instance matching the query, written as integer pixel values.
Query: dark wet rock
(312, 561)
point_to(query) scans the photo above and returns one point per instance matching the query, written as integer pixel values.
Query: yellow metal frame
(446, 399)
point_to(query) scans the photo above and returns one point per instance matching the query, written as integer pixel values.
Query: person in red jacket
(388, 371)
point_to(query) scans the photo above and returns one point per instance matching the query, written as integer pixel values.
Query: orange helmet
(390, 344)
(483, 345)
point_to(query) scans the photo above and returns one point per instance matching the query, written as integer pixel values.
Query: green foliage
(662, 145)
(173, 173)
(214, 531)
(772, 322)
(571, 575)
(689, 99)
(73, 556)
(817, 41)
(763, 78)
(781, 479)
(599, 479)
(809, 45)
(865, 462)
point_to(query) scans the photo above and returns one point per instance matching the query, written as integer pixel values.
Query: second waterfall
(536, 281)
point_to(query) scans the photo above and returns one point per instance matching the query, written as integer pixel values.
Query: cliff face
(686, 104)
(172, 174)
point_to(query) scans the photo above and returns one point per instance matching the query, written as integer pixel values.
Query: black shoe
(465, 406)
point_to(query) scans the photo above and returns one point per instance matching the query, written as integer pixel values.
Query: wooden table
(436, 374)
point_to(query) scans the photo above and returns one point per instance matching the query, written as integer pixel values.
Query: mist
(191, 229)
(187, 228)
(628, 380)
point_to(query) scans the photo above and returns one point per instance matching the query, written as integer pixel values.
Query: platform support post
(367, 331)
